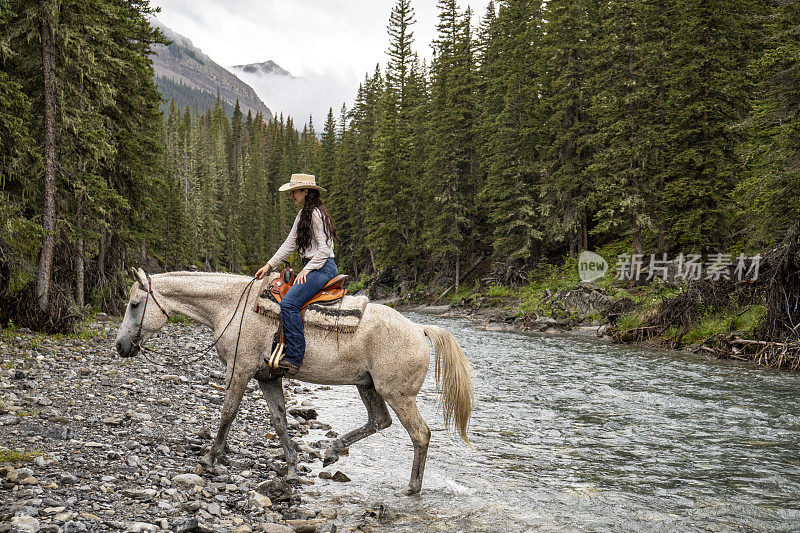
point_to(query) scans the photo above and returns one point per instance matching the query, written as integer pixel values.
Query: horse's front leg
(273, 393)
(233, 398)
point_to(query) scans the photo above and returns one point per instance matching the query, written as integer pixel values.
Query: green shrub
(13, 456)
(749, 321)
(356, 286)
(179, 319)
(498, 291)
(630, 321)
(709, 326)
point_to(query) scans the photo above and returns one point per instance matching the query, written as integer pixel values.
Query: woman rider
(312, 234)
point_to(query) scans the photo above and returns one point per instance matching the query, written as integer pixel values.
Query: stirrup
(275, 357)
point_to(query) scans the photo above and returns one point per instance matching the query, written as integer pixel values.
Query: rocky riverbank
(91, 442)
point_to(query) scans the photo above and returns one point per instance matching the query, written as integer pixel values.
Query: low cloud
(310, 93)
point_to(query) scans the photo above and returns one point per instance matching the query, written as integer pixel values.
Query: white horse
(386, 357)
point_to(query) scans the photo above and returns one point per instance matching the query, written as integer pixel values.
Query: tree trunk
(44, 270)
(372, 259)
(584, 231)
(457, 272)
(101, 255)
(79, 258)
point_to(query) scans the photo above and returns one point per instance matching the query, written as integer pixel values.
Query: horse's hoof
(330, 458)
(410, 491)
(332, 453)
(292, 477)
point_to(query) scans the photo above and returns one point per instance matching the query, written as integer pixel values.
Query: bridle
(137, 339)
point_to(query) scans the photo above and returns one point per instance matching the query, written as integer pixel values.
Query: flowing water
(575, 434)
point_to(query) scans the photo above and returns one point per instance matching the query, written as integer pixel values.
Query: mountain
(185, 73)
(265, 68)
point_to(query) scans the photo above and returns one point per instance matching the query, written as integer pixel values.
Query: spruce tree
(711, 48)
(767, 202)
(565, 56)
(512, 184)
(452, 181)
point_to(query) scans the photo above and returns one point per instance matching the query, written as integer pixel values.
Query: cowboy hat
(301, 181)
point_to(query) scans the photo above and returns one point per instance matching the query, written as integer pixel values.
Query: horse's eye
(134, 305)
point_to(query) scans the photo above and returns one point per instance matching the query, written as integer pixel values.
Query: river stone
(214, 509)
(140, 494)
(65, 517)
(276, 490)
(306, 413)
(142, 527)
(260, 501)
(188, 480)
(275, 528)
(186, 526)
(340, 476)
(244, 528)
(74, 527)
(306, 526)
(24, 524)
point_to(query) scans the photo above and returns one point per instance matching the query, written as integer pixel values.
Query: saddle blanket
(343, 316)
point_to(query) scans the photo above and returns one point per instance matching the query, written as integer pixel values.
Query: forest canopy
(536, 131)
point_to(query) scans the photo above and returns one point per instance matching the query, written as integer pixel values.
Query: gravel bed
(111, 444)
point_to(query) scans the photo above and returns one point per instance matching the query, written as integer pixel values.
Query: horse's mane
(192, 273)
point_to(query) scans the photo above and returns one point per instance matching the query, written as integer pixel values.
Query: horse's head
(144, 315)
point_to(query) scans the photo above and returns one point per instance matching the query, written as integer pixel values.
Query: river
(576, 434)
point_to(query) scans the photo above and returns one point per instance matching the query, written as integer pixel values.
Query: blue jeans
(294, 300)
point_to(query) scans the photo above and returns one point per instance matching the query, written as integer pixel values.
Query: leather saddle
(332, 292)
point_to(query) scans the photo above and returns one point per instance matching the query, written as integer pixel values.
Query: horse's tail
(453, 379)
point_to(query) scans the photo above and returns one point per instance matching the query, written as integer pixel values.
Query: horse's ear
(140, 276)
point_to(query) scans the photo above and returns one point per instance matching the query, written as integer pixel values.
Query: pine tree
(390, 189)
(512, 184)
(768, 201)
(309, 146)
(628, 109)
(452, 180)
(711, 47)
(566, 187)
(401, 39)
(327, 156)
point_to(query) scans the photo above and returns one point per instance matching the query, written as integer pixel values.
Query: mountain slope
(265, 68)
(185, 73)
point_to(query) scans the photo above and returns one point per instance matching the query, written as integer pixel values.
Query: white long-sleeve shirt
(319, 250)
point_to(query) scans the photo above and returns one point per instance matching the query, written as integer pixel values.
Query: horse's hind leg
(273, 393)
(407, 412)
(378, 418)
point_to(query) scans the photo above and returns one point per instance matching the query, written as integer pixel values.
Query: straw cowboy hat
(301, 181)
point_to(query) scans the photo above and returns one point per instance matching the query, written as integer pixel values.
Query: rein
(137, 340)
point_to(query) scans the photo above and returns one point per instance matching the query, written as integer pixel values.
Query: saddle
(275, 290)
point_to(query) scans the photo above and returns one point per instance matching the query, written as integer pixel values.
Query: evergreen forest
(535, 131)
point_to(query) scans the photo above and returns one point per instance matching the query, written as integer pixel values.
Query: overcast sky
(329, 44)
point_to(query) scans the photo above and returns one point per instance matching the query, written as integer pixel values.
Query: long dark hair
(313, 201)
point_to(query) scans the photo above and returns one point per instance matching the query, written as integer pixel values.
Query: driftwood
(460, 279)
(772, 354)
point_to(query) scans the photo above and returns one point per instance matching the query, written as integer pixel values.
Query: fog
(311, 92)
